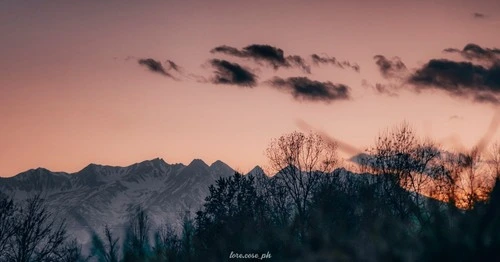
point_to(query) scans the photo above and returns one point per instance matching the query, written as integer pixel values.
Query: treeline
(410, 201)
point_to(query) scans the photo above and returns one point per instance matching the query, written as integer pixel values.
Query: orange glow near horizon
(71, 95)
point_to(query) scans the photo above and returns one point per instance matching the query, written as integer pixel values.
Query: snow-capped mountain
(101, 195)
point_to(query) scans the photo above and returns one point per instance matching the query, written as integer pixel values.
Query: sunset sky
(117, 82)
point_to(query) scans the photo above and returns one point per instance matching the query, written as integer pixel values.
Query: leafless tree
(167, 245)
(7, 209)
(407, 165)
(467, 178)
(494, 160)
(37, 236)
(300, 161)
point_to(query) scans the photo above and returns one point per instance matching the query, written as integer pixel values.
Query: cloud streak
(382, 89)
(265, 54)
(154, 66)
(173, 66)
(299, 62)
(319, 60)
(479, 15)
(343, 146)
(475, 52)
(305, 89)
(232, 74)
(492, 129)
(260, 53)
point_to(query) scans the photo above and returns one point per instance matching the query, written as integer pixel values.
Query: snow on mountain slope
(101, 195)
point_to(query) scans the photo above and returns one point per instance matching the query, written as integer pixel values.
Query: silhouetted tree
(187, 237)
(300, 161)
(167, 245)
(407, 165)
(105, 250)
(37, 234)
(233, 218)
(136, 246)
(465, 179)
(493, 160)
(7, 210)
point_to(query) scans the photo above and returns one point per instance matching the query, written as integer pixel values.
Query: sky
(118, 82)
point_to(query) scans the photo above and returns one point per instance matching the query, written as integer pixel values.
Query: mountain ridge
(99, 195)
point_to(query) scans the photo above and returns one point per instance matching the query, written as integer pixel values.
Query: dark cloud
(261, 53)
(270, 54)
(390, 68)
(462, 79)
(267, 54)
(317, 60)
(302, 88)
(479, 15)
(232, 74)
(229, 51)
(154, 66)
(298, 61)
(473, 51)
(173, 66)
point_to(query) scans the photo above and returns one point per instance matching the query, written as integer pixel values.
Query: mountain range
(101, 195)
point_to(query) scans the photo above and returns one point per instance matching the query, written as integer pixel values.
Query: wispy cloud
(383, 89)
(154, 66)
(390, 68)
(343, 146)
(318, 60)
(173, 66)
(305, 89)
(479, 15)
(299, 62)
(475, 52)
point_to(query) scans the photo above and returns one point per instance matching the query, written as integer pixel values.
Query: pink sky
(69, 96)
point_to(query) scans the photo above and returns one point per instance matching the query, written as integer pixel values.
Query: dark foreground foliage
(348, 219)
(309, 211)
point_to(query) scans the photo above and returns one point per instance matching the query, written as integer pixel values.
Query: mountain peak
(33, 172)
(154, 162)
(218, 163)
(158, 160)
(256, 171)
(198, 162)
(90, 166)
(219, 168)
